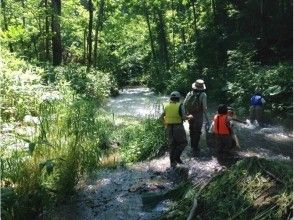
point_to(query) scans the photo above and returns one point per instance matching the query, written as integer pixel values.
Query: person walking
(196, 106)
(222, 129)
(173, 116)
(256, 108)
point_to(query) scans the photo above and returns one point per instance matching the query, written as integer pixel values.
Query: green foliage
(142, 141)
(69, 139)
(252, 189)
(274, 82)
(88, 84)
(69, 142)
(20, 89)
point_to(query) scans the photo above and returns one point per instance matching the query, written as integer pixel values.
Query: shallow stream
(114, 194)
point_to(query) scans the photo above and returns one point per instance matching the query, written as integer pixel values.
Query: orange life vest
(221, 124)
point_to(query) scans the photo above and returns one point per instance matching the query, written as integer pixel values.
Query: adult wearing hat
(196, 106)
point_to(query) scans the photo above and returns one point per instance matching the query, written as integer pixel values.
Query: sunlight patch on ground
(262, 154)
(156, 165)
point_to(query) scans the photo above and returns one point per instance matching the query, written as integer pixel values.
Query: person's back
(223, 136)
(256, 108)
(173, 116)
(196, 106)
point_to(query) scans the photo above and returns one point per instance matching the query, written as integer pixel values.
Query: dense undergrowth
(53, 131)
(251, 189)
(142, 141)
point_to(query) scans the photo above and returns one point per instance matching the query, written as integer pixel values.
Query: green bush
(20, 88)
(68, 142)
(142, 141)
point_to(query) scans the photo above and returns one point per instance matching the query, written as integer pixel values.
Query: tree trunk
(162, 41)
(56, 38)
(194, 16)
(150, 32)
(85, 45)
(23, 18)
(98, 28)
(173, 38)
(213, 8)
(90, 28)
(47, 41)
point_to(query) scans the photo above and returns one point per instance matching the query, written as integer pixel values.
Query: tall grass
(143, 140)
(252, 189)
(67, 143)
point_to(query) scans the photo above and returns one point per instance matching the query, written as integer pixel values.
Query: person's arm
(186, 99)
(262, 101)
(161, 117)
(188, 117)
(184, 113)
(204, 105)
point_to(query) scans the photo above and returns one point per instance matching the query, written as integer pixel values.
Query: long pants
(224, 154)
(177, 141)
(195, 126)
(256, 112)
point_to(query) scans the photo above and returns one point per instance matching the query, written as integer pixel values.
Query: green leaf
(274, 90)
(32, 147)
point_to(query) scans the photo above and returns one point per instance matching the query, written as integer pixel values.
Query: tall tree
(47, 40)
(98, 28)
(162, 38)
(56, 35)
(90, 29)
(146, 13)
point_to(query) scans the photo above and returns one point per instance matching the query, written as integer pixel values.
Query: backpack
(256, 100)
(193, 103)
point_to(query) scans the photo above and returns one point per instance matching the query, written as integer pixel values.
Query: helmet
(175, 94)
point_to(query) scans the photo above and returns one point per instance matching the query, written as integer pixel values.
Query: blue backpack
(256, 100)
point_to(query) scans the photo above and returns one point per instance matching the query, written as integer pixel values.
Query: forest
(62, 61)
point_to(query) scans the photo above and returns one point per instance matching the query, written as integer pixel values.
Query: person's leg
(172, 155)
(252, 114)
(219, 149)
(181, 142)
(195, 133)
(259, 115)
(171, 145)
(195, 138)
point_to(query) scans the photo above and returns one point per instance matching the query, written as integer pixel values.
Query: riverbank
(118, 192)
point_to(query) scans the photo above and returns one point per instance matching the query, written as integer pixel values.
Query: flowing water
(115, 194)
(136, 102)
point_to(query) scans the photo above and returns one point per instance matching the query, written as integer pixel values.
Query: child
(222, 129)
(173, 116)
(231, 117)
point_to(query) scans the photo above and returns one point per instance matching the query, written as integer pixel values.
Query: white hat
(199, 84)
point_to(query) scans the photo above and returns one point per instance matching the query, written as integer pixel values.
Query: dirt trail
(115, 194)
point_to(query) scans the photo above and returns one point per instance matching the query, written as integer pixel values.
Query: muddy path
(114, 194)
(118, 194)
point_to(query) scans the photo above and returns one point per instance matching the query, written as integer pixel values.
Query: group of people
(194, 109)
